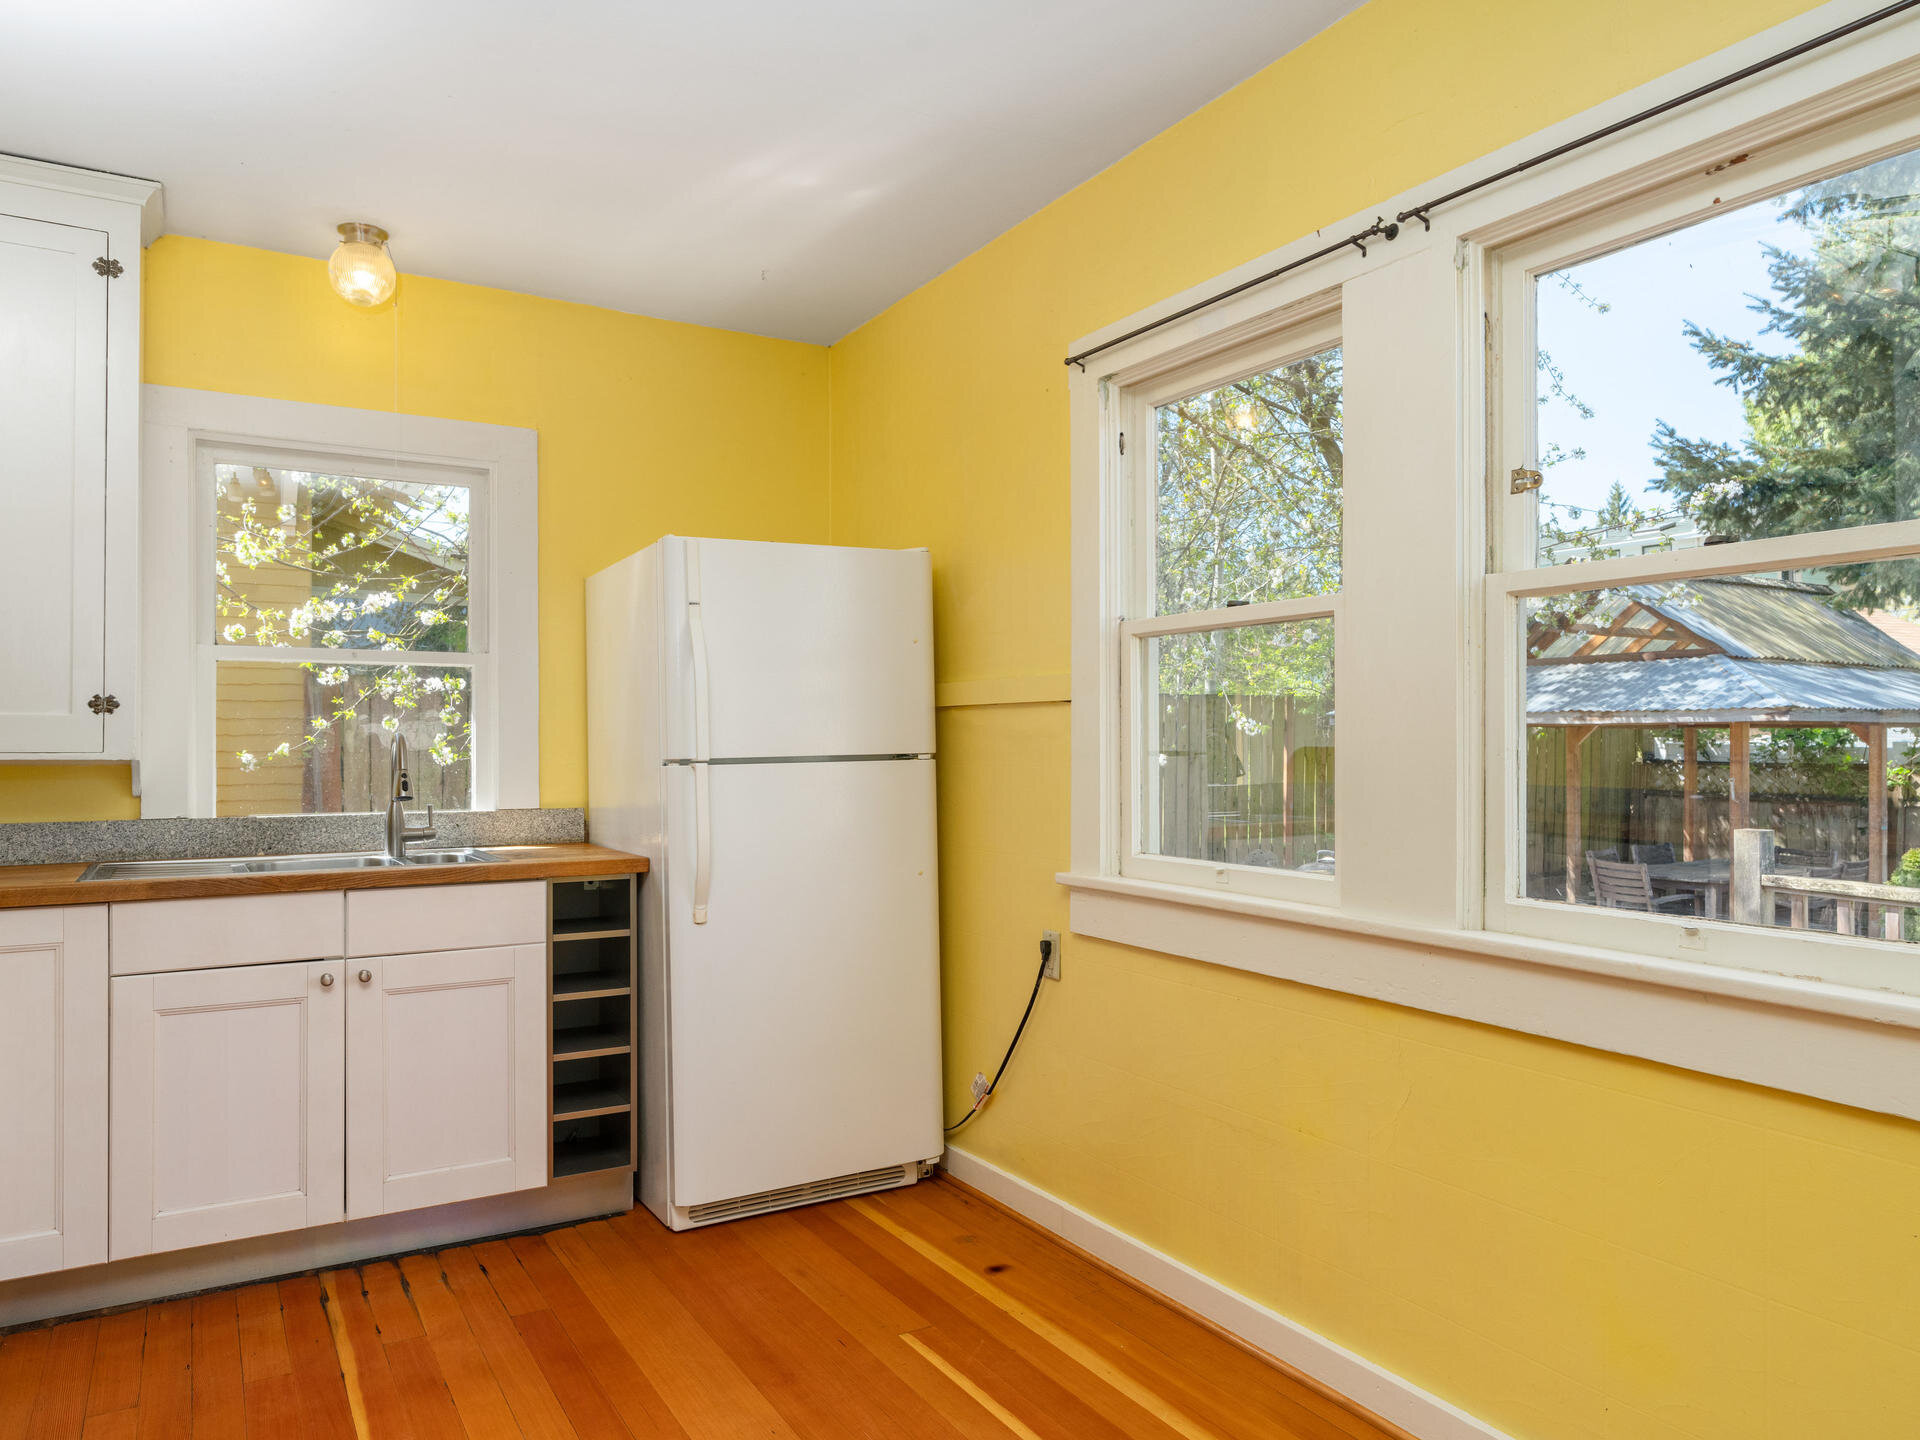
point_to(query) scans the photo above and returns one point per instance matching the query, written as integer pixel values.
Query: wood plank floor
(926, 1312)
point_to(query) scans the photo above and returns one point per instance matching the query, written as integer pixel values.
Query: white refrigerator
(760, 727)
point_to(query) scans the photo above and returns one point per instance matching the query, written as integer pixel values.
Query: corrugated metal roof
(1758, 619)
(1747, 617)
(1718, 689)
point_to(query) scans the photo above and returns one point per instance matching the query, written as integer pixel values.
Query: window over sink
(312, 596)
(340, 616)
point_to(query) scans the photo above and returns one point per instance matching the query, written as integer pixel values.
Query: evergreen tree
(1833, 417)
(1618, 513)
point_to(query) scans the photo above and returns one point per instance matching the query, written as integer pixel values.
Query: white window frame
(1512, 270)
(1425, 609)
(1315, 328)
(186, 432)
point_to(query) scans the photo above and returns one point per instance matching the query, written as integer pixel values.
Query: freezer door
(798, 649)
(805, 1013)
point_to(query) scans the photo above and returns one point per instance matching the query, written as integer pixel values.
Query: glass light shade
(361, 269)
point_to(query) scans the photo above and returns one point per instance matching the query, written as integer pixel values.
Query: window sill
(1856, 1047)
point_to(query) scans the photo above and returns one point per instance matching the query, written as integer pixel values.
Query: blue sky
(1632, 365)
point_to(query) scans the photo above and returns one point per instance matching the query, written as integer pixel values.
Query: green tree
(1618, 513)
(1833, 413)
(358, 565)
(1247, 508)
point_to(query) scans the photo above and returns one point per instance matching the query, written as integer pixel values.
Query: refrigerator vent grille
(808, 1194)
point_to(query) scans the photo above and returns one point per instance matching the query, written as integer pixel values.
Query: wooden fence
(1243, 780)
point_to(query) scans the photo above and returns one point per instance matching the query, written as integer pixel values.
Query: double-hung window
(342, 605)
(1704, 655)
(1233, 470)
(319, 582)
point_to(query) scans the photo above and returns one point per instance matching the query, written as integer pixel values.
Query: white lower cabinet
(53, 1089)
(229, 1104)
(446, 1077)
(274, 1097)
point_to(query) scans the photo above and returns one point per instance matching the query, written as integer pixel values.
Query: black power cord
(980, 1102)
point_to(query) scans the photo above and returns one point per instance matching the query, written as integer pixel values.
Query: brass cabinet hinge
(103, 704)
(108, 269)
(1524, 480)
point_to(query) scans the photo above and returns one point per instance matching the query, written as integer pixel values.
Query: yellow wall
(646, 427)
(1564, 1243)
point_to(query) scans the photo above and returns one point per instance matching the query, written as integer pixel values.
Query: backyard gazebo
(1721, 653)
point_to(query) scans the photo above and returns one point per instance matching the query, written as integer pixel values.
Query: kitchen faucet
(400, 790)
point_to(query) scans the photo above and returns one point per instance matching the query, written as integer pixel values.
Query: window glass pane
(1753, 375)
(296, 739)
(1248, 502)
(1238, 757)
(1664, 719)
(340, 561)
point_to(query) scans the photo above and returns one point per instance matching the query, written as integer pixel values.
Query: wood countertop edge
(30, 886)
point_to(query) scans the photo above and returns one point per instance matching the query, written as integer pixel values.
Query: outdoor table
(1711, 878)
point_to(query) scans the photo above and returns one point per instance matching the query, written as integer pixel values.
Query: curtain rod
(1384, 229)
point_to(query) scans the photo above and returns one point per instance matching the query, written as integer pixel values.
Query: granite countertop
(32, 885)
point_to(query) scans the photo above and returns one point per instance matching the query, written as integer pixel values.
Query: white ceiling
(784, 168)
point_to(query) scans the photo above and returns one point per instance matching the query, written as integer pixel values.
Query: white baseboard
(240, 1262)
(1338, 1368)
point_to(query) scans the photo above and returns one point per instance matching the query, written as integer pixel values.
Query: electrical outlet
(1052, 939)
(980, 1083)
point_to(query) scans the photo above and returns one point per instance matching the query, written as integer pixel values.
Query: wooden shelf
(591, 985)
(588, 1098)
(593, 981)
(585, 1157)
(592, 928)
(591, 1040)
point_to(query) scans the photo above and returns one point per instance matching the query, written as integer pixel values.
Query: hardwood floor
(926, 1312)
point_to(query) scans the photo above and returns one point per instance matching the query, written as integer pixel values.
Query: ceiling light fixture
(361, 269)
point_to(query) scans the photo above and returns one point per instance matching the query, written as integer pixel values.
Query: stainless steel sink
(161, 869)
(372, 860)
(232, 865)
(458, 855)
(281, 864)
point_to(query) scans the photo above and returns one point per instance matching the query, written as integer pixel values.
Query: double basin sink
(280, 864)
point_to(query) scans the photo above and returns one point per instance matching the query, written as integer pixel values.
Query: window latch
(1523, 480)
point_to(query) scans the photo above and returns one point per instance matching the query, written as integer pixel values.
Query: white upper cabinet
(69, 395)
(53, 473)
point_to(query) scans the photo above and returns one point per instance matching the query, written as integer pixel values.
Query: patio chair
(1660, 854)
(1810, 862)
(1625, 885)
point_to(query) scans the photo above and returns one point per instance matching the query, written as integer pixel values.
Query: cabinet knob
(103, 704)
(326, 979)
(366, 977)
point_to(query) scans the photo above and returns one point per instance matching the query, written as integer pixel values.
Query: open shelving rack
(592, 966)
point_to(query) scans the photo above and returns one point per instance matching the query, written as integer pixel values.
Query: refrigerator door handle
(697, 634)
(702, 743)
(702, 839)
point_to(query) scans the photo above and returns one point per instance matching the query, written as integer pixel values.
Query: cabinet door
(53, 487)
(228, 1110)
(446, 1077)
(53, 1080)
